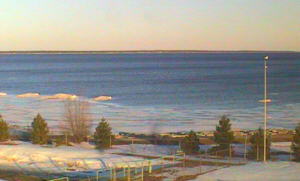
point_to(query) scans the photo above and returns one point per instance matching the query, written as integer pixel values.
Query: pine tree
(257, 145)
(103, 135)
(39, 133)
(296, 143)
(223, 135)
(4, 134)
(191, 143)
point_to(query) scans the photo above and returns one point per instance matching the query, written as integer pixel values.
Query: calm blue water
(179, 90)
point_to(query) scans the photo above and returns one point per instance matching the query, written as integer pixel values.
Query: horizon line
(139, 51)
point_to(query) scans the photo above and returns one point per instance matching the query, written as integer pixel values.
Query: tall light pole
(245, 149)
(265, 105)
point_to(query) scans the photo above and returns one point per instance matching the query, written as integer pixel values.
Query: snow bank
(102, 98)
(258, 171)
(81, 157)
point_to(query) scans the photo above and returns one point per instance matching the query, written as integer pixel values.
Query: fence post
(128, 173)
(97, 175)
(150, 167)
(245, 151)
(257, 152)
(230, 152)
(200, 165)
(143, 173)
(111, 173)
(184, 159)
(115, 174)
(161, 164)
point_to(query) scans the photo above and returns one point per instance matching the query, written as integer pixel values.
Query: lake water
(161, 92)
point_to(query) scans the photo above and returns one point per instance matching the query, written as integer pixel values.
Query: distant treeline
(138, 51)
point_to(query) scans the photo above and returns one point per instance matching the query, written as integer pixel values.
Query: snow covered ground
(171, 174)
(26, 157)
(258, 171)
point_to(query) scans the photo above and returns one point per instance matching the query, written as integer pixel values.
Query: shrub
(4, 133)
(191, 143)
(296, 143)
(61, 140)
(76, 122)
(257, 145)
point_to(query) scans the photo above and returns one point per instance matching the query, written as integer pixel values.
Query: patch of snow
(174, 172)
(258, 171)
(80, 157)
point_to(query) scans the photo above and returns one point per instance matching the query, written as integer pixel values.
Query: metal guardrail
(60, 179)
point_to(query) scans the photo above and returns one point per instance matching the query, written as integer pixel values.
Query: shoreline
(122, 117)
(169, 138)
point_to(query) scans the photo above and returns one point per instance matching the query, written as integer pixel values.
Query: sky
(149, 25)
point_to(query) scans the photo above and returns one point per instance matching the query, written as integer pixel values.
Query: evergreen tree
(39, 133)
(191, 143)
(4, 134)
(103, 135)
(296, 143)
(223, 135)
(257, 145)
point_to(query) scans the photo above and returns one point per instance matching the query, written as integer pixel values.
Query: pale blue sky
(146, 24)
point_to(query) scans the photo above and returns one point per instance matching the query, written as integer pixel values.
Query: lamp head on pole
(266, 58)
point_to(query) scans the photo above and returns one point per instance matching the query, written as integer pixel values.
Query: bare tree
(76, 120)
